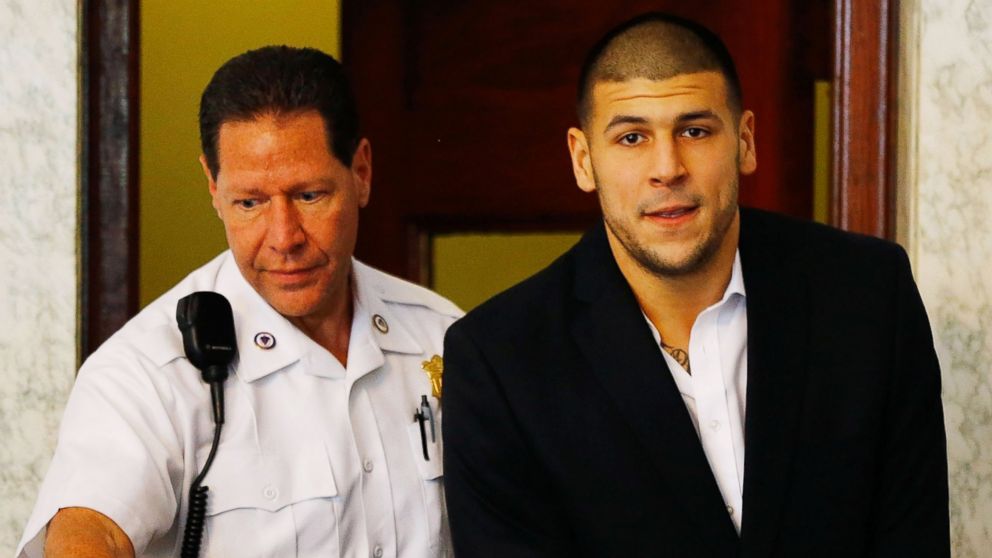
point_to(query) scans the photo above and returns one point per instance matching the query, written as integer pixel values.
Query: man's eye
(311, 196)
(632, 138)
(246, 204)
(695, 133)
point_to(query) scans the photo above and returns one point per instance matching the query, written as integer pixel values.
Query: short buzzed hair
(656, 46)
(281, 81)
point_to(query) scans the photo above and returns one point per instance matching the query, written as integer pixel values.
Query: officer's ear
(211, 184)
(361, 170)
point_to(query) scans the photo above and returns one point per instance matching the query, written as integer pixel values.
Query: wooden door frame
(865, 109)
(109, 240)
(863, 146)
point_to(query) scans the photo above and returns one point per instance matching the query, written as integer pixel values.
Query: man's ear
(211, 184)
(578, 147)
(361, 169)
(748, 155)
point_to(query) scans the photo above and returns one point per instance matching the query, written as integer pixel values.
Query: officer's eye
(246, 204)
(311, 196)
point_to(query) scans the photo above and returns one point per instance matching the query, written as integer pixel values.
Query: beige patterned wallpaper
(38, 228)
(948, 228)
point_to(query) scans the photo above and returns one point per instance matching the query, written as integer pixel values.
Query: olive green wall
(182, 43)
(460, 274)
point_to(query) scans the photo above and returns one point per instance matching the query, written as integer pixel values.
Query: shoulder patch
(393, 289)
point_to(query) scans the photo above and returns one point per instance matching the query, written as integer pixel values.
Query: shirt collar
(268, 342)
(371, 293)
(375, 329)
(736, 285)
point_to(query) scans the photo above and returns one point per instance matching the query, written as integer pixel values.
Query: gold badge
(434, 368)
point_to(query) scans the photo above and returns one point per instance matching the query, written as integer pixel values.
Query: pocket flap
(245, 478)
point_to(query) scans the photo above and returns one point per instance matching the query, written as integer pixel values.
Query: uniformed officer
(320, 453)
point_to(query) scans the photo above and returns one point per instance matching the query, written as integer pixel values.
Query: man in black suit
(693, 379)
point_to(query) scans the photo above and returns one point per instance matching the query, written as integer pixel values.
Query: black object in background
(207, 324)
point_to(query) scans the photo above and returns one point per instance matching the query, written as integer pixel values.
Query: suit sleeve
(497, 502)
(911, 504)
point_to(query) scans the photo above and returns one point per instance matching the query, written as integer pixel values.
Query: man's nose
(286, 233)
(667, 168)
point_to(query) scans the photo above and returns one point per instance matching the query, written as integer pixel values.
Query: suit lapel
(778, 326)
(614, 338)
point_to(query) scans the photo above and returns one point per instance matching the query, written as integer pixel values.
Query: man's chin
(673, 263)
(291, 305)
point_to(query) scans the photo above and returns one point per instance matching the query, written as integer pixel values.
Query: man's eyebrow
(696, 115)
(248, 192)
(319, 182)
(295, 188)
(624, 119)
(620, 119)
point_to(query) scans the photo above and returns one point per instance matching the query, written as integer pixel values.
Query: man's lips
(674, 213)
(291, 274)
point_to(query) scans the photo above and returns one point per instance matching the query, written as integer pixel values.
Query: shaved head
(656, 46)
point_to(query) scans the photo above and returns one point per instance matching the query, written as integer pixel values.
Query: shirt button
(270, 492)
(377, 552)
(730, 510)
(715, 424)
(368, 466)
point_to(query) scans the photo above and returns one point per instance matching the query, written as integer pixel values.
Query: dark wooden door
(467, 104)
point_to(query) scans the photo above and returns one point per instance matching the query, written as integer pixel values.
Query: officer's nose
(285, 234)
(667, 168)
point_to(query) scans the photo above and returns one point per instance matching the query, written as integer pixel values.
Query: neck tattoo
(680, 356)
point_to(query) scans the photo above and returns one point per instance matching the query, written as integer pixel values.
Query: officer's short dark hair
(656, 46)
(279, 80)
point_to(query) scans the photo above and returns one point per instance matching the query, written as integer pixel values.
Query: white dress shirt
(315, 459)
(716, 392)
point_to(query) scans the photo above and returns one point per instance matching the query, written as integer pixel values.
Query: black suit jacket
(565, 434)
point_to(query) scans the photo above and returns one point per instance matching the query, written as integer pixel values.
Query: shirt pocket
(271, 505)
(431, 473)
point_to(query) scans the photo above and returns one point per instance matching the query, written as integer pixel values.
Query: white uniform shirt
(716, 392)
(315, 459)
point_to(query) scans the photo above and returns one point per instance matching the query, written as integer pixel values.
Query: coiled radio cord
(197, 516)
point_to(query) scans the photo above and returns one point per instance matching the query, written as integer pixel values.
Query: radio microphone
(207, 325)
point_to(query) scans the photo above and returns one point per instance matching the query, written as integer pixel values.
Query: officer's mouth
(291, 275)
